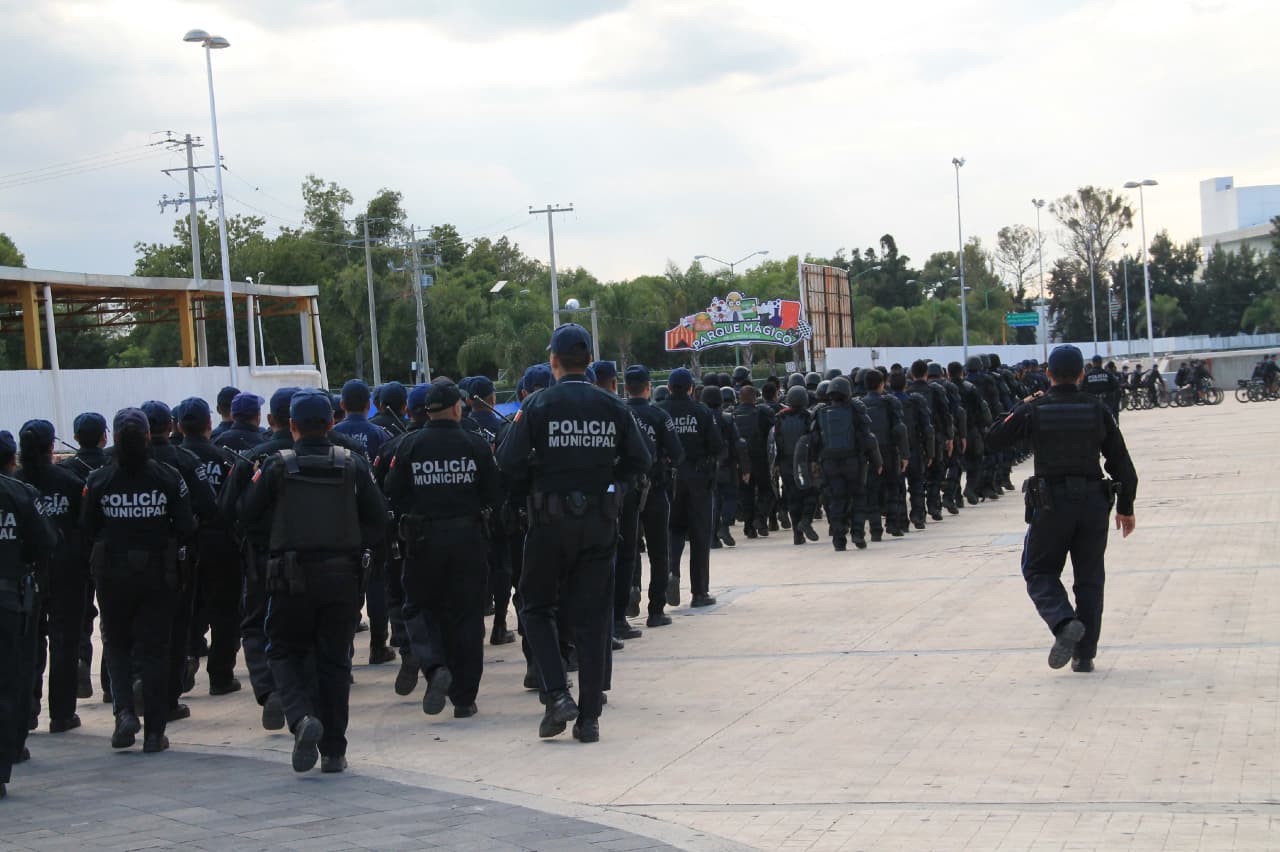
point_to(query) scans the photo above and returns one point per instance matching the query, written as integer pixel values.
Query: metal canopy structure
(126, 300)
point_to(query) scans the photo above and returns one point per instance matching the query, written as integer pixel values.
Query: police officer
(391, 402)
(326, 515)
(355, 405)
(845, 448)
(944, 433)
(443, 482)
(647, 508)
(91, 437)
(881, 495)
(25, 537)
(1069, 503)
(136, 510)
(790, 426)
(917, 416)
(1102, 384)
(753, 422)
(218, 572)
(65, 575)
(223, 404)
(978, 420)
(692, 498)
(243, 433)
(949, 488)
(579, 450)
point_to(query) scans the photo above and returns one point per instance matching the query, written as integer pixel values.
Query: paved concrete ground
(895, 698)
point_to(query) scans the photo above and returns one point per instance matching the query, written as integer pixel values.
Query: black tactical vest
(881, 421)
(747, 419)
(316, 508)
(911, 417)
(793, 428)
(836, 425)
(1066, 437)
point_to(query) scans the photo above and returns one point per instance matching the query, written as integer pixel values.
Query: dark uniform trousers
(800, 502)
(1076, 525)
(398, 639)
(309, 638)
(881, 496)
(755, 496)
(569, 564)
(844, 487)
(934, 472)
(58, 639)
(444, 587)
(138, 605)
(653, 518)
(726, 499)
(376, 604)
(184, 613)
(219, 592)
(973, 463)
(691, 513)
(915, 485)
(498, 583)
(253, 615)
(17, 661)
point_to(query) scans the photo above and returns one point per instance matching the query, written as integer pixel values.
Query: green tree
(1166, 315)
(9, 254)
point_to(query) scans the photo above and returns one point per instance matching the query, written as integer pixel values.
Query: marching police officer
(392, 398)
(692, 500)
(136, 510)
(62, 610)
(791, 425)
(944, 433)
(648, 507)
(845, 448)
(355, 404)
(91, 435)
(579, 450)
(444, 483)
(242, 433)
(754, 422)
(884, 481)
(25, 536)
(917, 416)
(326, 515)
(1099, 382)
(1068, 503)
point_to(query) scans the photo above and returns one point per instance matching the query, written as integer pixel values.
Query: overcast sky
(676, 128)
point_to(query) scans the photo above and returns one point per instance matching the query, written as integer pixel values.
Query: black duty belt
(423, 523)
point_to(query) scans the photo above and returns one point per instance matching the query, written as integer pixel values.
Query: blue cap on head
(195, 413)
(89, 426)
(604, 370)
(680, 379)
(279, 406)
(442, 396)
(131, 420)
(310, 407)
(537, 376)
(43, 430)
(465, 383)
(8, 447)
(591, 375)
(637, 373)
(393, 396)
(355, 395)
(418, 397)
(246, 406)
(570, 339)
(1066, 361)
(159, 415)
(481, 386)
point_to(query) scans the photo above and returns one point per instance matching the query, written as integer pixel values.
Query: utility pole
(190, 143)
(373, 312)
(551, 237)
(424, 364)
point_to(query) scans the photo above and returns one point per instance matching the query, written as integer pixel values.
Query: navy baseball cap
(159, 415)
(43, 430)
(394, 396)
(465, 383)
(442, 396)
(1066, 361)
(246, 405)
(418, 397)
(195, 413)
(8, 447)
(637, 373)
(131, 419)
(537, 376)
(680, 378)
(89, 426)
(1096, 359)
(570, 339)
(481, 386)
(280, 409)
(227, 395)
(310, 407)
(355, 395)
(605, 370)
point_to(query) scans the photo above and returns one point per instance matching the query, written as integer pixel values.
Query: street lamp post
(210, 44)
(1128, 332)
(1146, 271)
(1038, 203)
(1091, 233)
(964, 311)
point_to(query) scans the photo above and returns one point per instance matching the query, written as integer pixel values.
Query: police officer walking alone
(1068, 503)
(579, 450)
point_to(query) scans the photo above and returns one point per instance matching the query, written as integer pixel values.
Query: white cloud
(676, 128)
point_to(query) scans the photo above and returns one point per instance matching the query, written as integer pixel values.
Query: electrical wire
(73, 171)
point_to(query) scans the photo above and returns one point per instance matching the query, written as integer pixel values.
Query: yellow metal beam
(186, 328)
(31, 326)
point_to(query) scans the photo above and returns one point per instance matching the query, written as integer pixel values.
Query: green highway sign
(1022, 320)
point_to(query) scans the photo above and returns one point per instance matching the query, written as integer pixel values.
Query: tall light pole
(853, 321)
(1038, 203)
(1128, 333)
(210, 44)
(964, 311)
(1091, 233)
(1146, 271)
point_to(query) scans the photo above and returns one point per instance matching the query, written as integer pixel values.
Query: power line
(14, 183)
(80, 160)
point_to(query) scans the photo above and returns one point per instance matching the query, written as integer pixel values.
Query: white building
(1234, 216)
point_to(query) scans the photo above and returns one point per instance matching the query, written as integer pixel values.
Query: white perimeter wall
(28, 394)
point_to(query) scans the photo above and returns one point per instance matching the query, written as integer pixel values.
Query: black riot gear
(811, 381)
(797, 397)
(307, 516)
